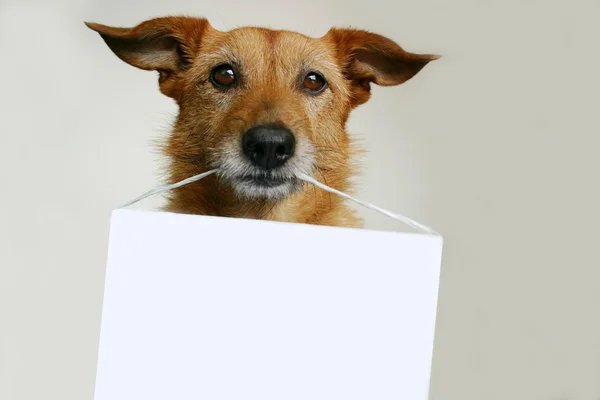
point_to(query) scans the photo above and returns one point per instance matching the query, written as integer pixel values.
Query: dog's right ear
(167, 45)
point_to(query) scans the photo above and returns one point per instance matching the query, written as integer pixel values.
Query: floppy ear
(368, 57)
(167, 45)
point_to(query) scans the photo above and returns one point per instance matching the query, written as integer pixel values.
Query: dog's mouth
(265, 181)
(262, 185)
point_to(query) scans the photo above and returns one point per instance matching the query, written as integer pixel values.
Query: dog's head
(261, 105)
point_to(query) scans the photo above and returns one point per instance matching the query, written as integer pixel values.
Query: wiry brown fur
(184, 50)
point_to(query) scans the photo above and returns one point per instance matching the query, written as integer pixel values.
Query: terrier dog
(262, 106)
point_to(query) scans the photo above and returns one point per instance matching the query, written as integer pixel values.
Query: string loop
(401, 218)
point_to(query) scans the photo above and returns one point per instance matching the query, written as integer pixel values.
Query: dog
(262, 106)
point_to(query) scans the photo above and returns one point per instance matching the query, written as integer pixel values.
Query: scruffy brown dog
(262, 106)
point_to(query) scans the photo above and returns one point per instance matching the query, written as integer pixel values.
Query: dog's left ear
(370, 58)
(167, 45)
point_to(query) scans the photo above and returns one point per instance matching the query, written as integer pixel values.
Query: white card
(211, 308)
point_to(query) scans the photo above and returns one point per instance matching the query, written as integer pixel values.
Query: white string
(172, 186)
(412, 223)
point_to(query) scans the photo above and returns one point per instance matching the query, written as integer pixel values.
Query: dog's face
(260, 105)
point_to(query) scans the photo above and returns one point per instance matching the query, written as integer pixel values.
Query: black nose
(268, 147)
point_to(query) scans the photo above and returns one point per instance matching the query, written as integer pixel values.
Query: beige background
(495, 145)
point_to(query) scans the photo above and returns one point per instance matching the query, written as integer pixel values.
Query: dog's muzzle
(266, 162)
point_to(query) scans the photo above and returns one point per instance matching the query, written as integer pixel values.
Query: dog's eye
(314, 83)
(223, 76)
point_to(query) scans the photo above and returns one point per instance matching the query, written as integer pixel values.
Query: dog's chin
(264, 187)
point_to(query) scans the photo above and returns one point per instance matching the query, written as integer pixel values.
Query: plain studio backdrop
(495, 145)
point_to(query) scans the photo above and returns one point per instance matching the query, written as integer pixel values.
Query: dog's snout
(268, 147)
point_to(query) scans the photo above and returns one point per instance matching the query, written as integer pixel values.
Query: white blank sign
(213, 308)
